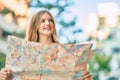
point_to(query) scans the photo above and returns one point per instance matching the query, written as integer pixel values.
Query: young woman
(41, 29)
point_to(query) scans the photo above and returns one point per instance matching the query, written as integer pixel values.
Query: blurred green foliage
(6, 11)
(99, 63)
(2, 60)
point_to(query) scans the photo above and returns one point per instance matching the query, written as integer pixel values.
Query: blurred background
(76, 21)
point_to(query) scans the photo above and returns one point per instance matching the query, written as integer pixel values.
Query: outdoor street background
(96, 21)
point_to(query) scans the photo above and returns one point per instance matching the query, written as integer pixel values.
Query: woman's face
(46, 26)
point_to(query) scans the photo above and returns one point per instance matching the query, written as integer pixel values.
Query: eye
(43, 20)
(50, 20)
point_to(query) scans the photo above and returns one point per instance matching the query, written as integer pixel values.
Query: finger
(9, 79)
(3, 73)
(3, 69)
(6, 71)
(87, 72)
(10, 76)
(3, 77)
(87, 77)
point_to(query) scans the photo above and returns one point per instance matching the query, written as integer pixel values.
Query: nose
(47, 22)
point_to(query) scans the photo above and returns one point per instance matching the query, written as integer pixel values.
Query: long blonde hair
(32, 33)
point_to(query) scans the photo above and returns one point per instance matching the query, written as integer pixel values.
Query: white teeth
(46, 28)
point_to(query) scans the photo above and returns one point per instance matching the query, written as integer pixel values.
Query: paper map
(35, 61)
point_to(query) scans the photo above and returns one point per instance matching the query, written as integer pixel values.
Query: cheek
(53, 28)
(40, 29)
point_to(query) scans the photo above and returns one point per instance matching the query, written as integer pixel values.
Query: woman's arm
(5, 74)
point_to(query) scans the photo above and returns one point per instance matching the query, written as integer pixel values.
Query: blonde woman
(41, 29)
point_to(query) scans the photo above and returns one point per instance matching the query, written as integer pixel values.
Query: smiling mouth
(47, 28)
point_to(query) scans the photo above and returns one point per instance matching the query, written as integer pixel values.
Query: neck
(44, 39)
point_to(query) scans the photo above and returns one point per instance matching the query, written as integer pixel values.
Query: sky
(83, 7)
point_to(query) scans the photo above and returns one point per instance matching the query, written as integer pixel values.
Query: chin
(48, 33)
